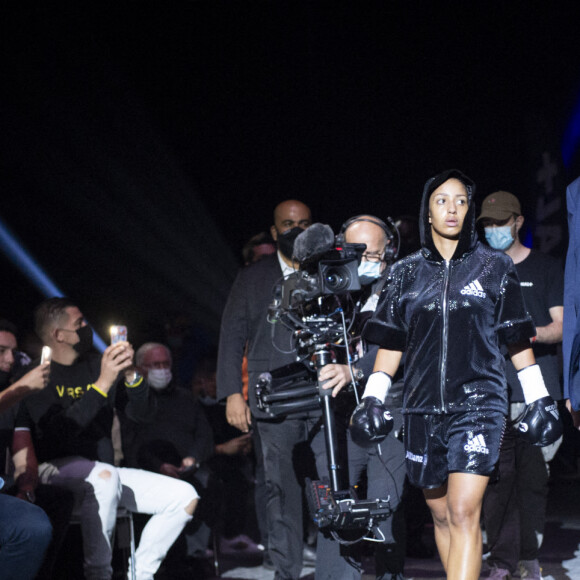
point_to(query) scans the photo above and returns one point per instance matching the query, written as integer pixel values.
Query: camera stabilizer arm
(336, 472)
(295, 389)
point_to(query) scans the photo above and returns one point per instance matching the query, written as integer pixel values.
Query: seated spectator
(179, 437)
(25, 530)
(176, 442)
(69, 425)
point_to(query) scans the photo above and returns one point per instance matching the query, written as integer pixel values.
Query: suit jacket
(244, 321)
(571, 337)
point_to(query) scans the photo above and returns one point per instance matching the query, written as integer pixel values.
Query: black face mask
(85, 343)
(286, 241)
(4, 379)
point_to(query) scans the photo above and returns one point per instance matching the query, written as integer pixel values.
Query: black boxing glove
(540, 424)
(370, 422)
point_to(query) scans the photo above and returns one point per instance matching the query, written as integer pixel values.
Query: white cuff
(532, 383)
(378, 386)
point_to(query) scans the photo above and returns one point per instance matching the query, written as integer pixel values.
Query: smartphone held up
(118, 334)
(46, 355)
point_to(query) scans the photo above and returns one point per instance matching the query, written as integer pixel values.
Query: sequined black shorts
(437, 445)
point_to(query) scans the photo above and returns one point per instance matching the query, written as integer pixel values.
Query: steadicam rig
(316, 304)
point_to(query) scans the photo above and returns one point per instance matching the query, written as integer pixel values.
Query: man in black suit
(244, 323)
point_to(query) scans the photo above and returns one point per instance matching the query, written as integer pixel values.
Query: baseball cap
(500, 205)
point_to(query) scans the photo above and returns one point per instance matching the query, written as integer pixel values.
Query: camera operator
(244, 323)
(384, 462)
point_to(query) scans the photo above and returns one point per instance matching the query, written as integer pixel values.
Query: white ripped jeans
(99, 488)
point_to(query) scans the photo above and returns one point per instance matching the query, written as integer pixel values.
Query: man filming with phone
(68, 427)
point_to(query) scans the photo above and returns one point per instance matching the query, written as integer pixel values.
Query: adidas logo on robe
(474, 289)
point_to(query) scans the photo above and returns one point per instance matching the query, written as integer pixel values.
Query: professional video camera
(332, 272)
(316, 304)
(315, 301)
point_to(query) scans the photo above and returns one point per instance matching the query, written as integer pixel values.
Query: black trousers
(281, 442)
(514, 505)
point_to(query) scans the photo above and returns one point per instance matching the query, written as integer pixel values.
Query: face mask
(85, 343)
(499, 238)
(286, 241)
(4, 379)
(369, 271)
(159, 378)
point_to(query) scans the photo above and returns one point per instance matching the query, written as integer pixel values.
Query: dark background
(143, 143)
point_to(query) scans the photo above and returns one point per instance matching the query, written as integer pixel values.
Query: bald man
(384, 463)
(244, 324)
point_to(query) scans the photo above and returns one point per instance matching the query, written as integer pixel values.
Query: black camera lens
(337, 279)
(338, 276)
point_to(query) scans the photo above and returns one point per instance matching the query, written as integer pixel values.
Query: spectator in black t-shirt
(69, 424)
(514, 507)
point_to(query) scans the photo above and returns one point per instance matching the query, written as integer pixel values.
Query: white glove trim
(532, 383)
(378, 386)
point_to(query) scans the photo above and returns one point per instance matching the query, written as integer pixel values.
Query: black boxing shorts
(437, 445)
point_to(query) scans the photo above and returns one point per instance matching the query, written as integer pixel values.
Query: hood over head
(468, 235)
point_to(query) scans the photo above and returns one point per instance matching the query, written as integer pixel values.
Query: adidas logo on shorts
(476, 445)
(474, 289)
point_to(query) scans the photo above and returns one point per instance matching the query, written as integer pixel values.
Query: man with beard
(244, 323)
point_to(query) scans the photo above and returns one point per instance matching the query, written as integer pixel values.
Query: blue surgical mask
(369, 271)
(499, 238)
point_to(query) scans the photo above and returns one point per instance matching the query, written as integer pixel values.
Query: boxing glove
(370, 422)
(540, 424)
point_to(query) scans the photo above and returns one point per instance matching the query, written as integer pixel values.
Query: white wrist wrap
(532, 383)
(378, 386)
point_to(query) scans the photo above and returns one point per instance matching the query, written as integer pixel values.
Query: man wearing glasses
(384, 463)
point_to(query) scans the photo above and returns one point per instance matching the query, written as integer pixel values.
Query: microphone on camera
(314, 241)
